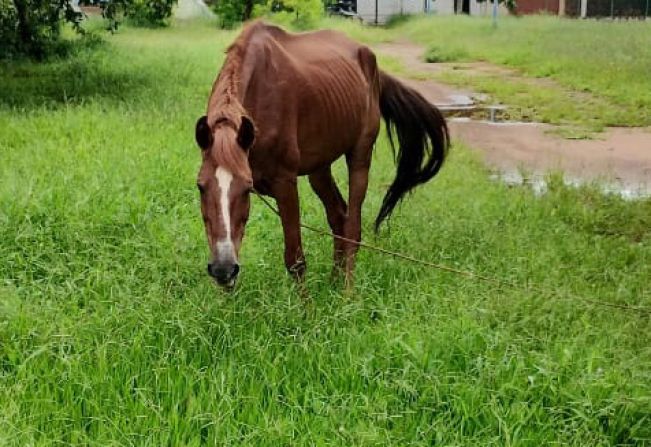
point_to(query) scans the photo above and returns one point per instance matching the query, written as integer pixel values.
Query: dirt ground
(619, 155)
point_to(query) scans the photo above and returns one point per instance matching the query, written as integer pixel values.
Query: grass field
(111, 333)
(601, 67)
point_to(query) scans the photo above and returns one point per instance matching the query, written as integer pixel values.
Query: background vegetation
(34, 27)
(111, 333)
(600, 68)
(296, 13)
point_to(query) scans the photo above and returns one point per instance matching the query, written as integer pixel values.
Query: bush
(150, 12)
(8, 34)
(300, 14)
(438, 54)
(231, 12)
(397, 20)
(33, 27)
(138, 12)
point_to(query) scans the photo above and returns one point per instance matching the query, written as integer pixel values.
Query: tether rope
(445, 268)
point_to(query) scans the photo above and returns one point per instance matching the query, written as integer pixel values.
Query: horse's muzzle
(224, 273)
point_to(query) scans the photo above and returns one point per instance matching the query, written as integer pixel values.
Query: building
(553, 7)
(586, 8)
(379, 11)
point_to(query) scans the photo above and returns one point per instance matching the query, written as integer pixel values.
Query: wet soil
(619, 155)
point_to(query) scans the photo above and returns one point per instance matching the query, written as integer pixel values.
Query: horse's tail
(422, 136)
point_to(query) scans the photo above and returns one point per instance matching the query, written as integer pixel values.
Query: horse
(286, 105)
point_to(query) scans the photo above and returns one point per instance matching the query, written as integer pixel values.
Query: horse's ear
(246, 134)
(202, 133)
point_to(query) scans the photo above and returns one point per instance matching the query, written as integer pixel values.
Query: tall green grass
(111, 333)
(600, 69)
(610, 60)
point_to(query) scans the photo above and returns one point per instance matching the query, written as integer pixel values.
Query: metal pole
(646, 12)
(612, 9)
(584, 8)
(376, 11)
(494, 13)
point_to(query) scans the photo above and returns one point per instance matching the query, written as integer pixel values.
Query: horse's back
(325, 88)
(309, 49)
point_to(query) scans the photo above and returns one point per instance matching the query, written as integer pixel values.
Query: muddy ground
(620, 156)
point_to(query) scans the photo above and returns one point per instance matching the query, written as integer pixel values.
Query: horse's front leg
(286, 195)
(325, 187)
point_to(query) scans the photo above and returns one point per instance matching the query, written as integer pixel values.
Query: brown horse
(286, 105)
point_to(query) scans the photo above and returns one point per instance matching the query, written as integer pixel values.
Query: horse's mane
(225, 109)
(226, 152)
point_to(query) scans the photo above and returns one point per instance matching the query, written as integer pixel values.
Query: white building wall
(412, 6)
(443, 7)
(388, 8)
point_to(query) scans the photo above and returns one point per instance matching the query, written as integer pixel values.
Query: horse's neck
(226, 88)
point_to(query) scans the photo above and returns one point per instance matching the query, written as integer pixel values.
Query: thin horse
(285, 105)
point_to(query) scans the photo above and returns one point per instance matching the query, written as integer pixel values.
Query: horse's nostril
(223, 273)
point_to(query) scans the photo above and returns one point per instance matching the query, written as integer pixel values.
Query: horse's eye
(201, 188)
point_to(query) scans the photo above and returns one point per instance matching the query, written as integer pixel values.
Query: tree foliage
(138, 12)
(297, 13)
(231, 12)
(33, 27)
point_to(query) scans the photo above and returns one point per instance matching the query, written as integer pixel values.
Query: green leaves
(154, 13)
(32, 27)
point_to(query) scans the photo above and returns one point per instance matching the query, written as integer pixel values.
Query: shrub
(439, 54)
(300, 14)
(32, 27)
(150, 12)
(231, 12)
(138, 12)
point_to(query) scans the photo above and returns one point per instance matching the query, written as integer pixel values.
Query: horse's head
(225, 183)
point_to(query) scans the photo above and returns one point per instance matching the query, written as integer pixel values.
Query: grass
(600, 68)
(609, 59)
(111, 333)
(576, 114)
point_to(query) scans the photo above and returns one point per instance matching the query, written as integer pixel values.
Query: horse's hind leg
(359, 162)
(325, 187)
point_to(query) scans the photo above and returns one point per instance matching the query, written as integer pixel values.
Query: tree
(33, 27)
(231, 12)
(138, 12)
(299, 13)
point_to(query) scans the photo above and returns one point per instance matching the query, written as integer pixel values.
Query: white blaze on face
(225, 248)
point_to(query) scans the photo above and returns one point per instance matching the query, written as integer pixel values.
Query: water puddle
(475, 112)
(539, 185)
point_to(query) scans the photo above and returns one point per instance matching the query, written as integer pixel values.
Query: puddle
(490, 113)
(538, 184)
(461, 100)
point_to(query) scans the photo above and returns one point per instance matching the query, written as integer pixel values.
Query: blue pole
(494, 13)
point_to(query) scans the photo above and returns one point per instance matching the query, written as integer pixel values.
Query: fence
(610, 8)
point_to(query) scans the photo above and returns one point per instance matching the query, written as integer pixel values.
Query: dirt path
(619, 155)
